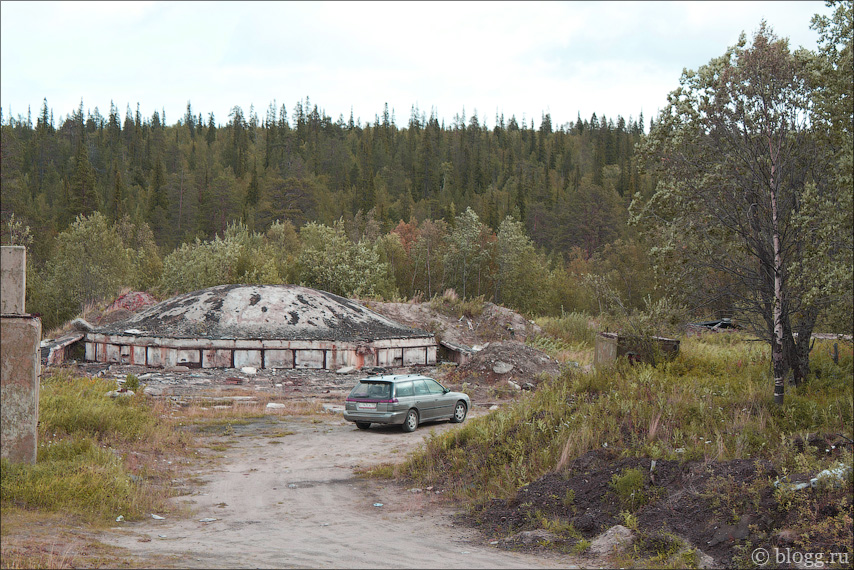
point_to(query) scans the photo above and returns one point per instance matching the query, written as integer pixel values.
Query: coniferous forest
(616, 215)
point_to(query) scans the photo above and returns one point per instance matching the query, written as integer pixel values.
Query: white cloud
(516, 58)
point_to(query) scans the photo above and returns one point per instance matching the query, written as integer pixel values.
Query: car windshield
(372, 390)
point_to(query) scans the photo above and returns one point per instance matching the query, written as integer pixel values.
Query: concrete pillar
(20, 335)
(13, 279)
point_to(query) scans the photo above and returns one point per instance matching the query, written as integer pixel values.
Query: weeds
(83, 468)
(713, 402)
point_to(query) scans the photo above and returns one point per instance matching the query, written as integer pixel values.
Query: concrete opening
(262, 326)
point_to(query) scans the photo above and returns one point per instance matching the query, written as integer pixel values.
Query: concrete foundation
(611, 346)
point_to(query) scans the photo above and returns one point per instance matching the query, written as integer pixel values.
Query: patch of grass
(580, 547)
(713, 402)
(95, 454)
(570, 329)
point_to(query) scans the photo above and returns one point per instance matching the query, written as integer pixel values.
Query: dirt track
(286, 496)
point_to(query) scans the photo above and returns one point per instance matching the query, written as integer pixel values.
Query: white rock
(514, 385)
(501, 367)
(615, 538)
(275, 405)
(117, 394)
(346, 370)
(157, 517)
(207, 520)
(249, 370)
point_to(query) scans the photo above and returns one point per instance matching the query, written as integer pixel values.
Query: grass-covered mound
(575, 457)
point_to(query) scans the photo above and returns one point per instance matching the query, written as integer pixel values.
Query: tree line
(738, 201)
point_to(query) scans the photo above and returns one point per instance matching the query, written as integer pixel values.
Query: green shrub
(628, 487)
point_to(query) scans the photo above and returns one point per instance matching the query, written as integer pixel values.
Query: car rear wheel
(459, 413)
(363, 425)
(411, 421)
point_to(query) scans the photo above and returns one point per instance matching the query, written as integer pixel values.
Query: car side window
(420, 388)
(434, 387)
(404, 389)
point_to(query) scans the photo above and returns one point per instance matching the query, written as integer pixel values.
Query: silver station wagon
(405, 399)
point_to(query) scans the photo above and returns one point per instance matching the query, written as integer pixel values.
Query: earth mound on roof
(287, 312)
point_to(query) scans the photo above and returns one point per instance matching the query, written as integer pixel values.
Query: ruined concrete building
(263, 326)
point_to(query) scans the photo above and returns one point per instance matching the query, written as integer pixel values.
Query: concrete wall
(611, 346)
(20, 359)
(225, 353)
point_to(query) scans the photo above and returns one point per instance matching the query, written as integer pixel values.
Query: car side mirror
(445, 390)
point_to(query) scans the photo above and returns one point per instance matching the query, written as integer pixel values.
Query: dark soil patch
(718, 507)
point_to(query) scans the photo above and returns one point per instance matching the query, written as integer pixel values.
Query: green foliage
(132, 382)
(770, 232)
(628, 486)
(77, 477)
(240, 256)
(331, 262)
(92, 261)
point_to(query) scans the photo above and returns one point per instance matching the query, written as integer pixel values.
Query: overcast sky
(524, 59)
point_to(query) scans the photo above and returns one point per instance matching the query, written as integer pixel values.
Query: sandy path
(298, 504)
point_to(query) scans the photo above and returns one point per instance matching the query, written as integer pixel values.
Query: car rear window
(372, 390)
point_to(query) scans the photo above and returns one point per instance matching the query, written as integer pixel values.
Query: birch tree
(734, 152)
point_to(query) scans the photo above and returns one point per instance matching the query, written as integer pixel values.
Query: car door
(424, 400)
(443, 405)
(405, 394)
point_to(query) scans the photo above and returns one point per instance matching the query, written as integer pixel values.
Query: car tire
(363, 425)
(411, 421)
(460, 411)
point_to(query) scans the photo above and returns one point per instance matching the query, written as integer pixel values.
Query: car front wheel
(459, 413)
(411, 421)
(363, 425)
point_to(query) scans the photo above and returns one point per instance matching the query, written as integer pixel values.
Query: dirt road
(286, 496)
